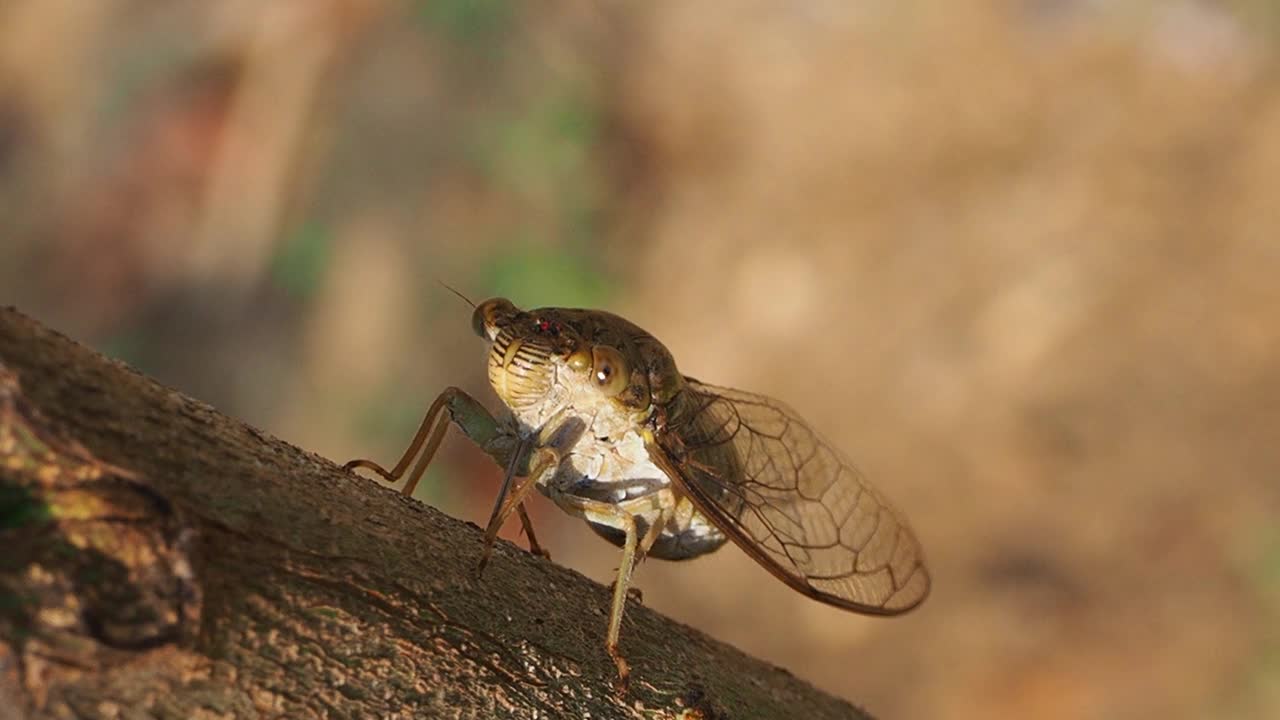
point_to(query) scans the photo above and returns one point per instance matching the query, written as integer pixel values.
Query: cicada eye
(609, 370)
(580, 360)
(492, 312)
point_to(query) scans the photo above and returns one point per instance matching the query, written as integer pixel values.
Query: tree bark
(158, 559)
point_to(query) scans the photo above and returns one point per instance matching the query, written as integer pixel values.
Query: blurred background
(1018, 258)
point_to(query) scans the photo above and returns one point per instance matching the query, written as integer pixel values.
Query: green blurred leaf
(467, 20)
(1267, 569)
(533, 277)
(301, 261)
(544, 148)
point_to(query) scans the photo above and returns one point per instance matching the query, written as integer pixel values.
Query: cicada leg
(476, 423)
(651, 534)
(512, 498)
(659, 506)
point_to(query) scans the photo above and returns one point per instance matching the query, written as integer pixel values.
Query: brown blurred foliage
(1017, 258)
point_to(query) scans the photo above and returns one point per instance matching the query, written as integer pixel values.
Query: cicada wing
(789, 499)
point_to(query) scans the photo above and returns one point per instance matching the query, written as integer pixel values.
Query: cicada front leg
(454, 405)
(512, 495)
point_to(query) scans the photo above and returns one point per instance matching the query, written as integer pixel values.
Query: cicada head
(544, 361)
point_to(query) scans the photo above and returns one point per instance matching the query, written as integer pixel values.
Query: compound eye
(609, 370)
(494, 312)
(580, 360)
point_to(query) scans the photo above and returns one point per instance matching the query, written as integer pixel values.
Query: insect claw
(623, 681)
(527, 531)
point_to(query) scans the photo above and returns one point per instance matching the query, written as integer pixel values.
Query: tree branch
(159, 558)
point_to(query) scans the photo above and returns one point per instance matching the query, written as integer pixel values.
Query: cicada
(598, 418)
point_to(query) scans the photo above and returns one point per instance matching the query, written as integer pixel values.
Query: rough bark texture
(158, 559)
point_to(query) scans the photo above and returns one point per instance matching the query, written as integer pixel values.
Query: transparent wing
(766, 478)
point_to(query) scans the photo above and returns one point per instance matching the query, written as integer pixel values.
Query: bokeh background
(1018, 258)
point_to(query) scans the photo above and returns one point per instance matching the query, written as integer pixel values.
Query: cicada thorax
(651, 374)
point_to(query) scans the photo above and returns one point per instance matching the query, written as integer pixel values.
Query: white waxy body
(604, 459)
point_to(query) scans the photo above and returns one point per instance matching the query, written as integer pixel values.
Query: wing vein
(786, 496)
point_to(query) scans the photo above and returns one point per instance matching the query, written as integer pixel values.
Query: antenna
(450, 288)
